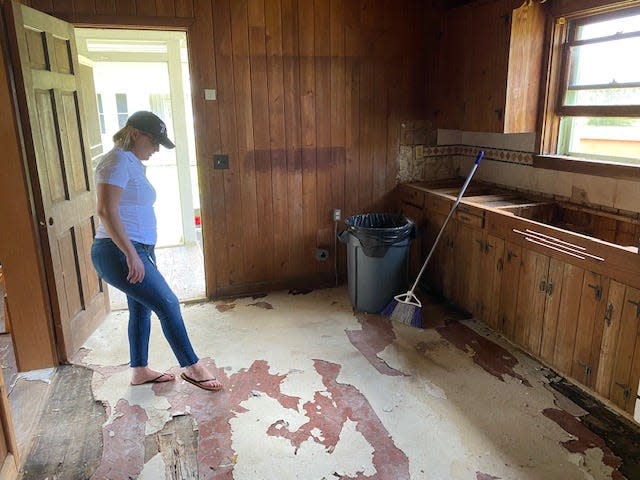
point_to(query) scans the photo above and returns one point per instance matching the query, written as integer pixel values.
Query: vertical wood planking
(310, 98)
(244, 132)
(353, 47)
(552, 307)
(184, 8)
(88, 7)
(609, 344)
(291, 85)
(261, 138)
(203, 75)
(308, 132)
(233, 222)
(510, 276)
(338, 115)
(277, 136)
(165, 8)
(146, 8)
(106, 7)
(323, 96)
(568, 318)
(125, 7)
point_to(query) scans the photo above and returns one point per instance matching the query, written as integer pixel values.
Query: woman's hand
(136, 268)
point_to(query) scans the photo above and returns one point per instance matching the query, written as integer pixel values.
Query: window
(121, 108)
(103, 129)
(597, 107)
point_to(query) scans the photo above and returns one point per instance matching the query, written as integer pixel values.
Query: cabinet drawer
(469, 218)
(412, 196)
(438, 205)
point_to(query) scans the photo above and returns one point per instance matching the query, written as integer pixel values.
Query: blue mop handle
(453, 209)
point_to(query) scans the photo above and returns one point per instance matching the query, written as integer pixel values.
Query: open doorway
(148, 70)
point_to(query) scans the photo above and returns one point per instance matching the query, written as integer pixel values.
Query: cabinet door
(611, 320)
(491, 280)
(555, 282)
(512, 264)
(573, 278)
(626, 371)
(450, 272)
(589, 328)
(532, 295)
(469, 251)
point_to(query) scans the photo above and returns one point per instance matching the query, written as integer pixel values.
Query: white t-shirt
(123, 169)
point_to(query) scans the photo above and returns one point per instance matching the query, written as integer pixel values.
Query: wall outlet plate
(322, 254)
(220, 162)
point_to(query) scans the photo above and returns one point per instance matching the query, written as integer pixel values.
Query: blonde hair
(122, 138)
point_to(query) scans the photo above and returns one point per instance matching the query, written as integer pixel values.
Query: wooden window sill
(587, 167)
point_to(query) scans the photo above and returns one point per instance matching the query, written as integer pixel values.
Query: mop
(406, 307)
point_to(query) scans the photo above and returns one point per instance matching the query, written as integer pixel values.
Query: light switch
(220, 162)
(209, 94)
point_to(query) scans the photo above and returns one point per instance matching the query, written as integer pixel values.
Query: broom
(406, 307)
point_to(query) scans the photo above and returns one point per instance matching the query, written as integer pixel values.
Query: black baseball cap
(150, 123)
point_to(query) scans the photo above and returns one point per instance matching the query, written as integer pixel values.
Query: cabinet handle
(543, 285)
(637, 304)
(626, 390)
(549, 288)
(510, 255)
(587, 368)
(607, 314)
(597, 290)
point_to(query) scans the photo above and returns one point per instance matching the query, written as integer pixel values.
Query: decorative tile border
(508, 156)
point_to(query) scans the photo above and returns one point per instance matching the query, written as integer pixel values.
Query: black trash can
(377, 258)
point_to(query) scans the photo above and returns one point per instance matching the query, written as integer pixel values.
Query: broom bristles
(404, 313)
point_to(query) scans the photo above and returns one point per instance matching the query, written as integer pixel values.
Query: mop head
(406, 313)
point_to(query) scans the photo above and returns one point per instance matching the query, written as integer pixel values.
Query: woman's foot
(144, 375)
(200, 376)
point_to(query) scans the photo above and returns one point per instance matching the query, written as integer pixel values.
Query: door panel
(59, 168)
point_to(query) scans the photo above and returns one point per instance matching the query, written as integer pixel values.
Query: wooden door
(568, 318)
(611, 320)
(46, 67)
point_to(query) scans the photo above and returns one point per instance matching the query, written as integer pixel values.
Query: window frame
(562, 27)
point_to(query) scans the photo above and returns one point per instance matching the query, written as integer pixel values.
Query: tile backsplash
(508, 162)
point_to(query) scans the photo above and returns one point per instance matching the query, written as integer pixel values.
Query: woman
(123, 250)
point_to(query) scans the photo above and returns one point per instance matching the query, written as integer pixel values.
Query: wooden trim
(116, 21)
(571, 8)
(9, 468)
(599, 110)
(588, 167)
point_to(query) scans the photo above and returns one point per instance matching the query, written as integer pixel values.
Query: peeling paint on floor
(313, 391)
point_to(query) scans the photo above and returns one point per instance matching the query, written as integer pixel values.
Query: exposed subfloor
(314, 391)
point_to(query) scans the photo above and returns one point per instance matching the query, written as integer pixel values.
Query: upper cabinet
(486, 67)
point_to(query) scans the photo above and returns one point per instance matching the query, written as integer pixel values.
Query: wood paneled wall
(310, 98)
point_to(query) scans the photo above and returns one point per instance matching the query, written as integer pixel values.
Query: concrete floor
(314, 391)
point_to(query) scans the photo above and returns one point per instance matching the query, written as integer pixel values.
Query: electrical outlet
(322, 254)
(337, 214)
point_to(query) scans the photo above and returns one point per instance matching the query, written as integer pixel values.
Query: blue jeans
(152, 294)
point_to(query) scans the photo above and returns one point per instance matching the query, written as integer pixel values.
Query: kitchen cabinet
(566, 302)
(626, 366)
(589, 328)
(490, 279)
(510, 284)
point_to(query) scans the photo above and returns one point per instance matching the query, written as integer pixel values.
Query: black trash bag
(378, 231)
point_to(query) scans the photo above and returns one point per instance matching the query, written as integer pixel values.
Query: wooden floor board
(68, 438)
